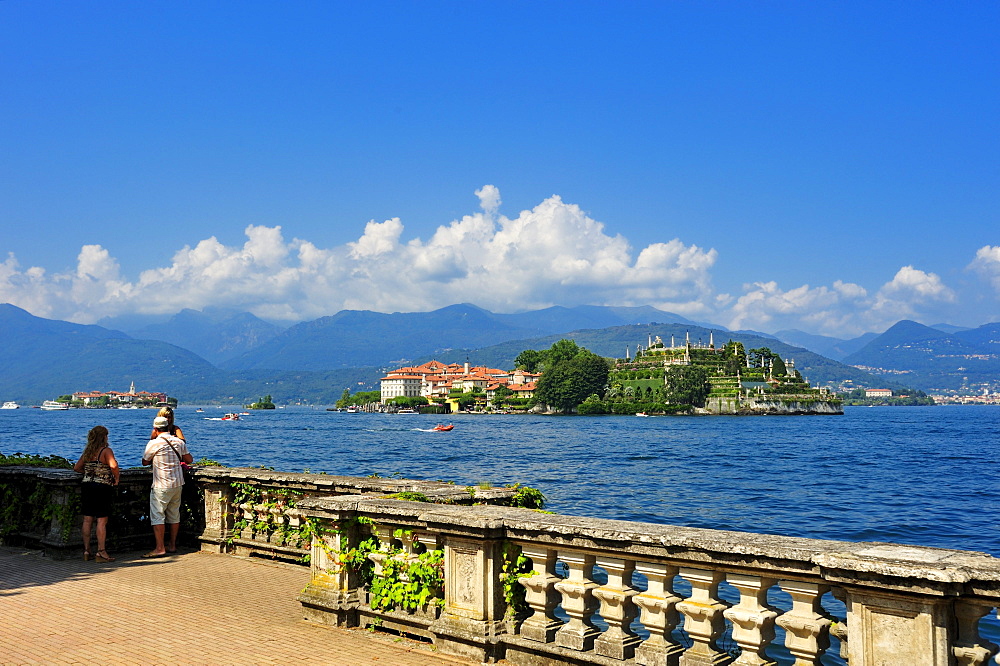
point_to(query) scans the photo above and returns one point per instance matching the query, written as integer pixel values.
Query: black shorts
(95, 499)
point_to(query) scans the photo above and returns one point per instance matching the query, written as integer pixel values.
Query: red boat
(443, 428)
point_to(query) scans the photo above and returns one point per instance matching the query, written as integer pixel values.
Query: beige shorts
(165, 505)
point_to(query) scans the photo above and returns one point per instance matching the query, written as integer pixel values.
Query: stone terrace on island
(481, 579)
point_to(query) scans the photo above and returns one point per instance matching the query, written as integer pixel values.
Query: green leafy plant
(410, 496)
(33, 460)
(514, 566)
(527, 497)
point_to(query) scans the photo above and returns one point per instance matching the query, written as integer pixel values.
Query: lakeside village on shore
(688, 378)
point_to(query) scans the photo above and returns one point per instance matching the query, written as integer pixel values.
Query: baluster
(617, 609)
(540, 595)
(379, 557)
(578, 601)
(808, 630)
(659, 616)
(752, 618)
(704, 621)
(969, 648)
(838, 629)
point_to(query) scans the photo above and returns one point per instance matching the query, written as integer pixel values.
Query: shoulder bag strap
(172, 447)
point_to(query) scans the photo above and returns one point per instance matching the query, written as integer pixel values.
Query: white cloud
(552, 254)
(987, 264)
(843, 309)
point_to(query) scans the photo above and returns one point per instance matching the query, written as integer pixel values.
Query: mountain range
(231, 356)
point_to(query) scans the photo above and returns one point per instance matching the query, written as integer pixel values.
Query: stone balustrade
(246, 511)
(493, 582)
(615, 592)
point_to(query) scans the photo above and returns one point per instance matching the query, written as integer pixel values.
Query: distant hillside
(824, 345)
(358, 338)
(43, 358)
(929, 358)
(215, 334)
(314, 361)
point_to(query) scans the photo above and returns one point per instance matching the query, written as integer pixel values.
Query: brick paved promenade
(190, 608)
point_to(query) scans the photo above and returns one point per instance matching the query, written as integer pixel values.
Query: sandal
(87, 556)
(103, 558)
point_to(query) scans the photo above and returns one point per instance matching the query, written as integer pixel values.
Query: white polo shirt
(167, 470)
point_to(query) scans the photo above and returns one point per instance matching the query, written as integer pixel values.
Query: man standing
(165, 453)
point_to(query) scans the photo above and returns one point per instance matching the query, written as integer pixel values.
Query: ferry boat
(10, 404)
(52, 405)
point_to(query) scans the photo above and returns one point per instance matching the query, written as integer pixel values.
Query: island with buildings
(698, 377)
(130, 399)
(688, 378)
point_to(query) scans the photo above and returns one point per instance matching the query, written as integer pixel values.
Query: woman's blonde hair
(169, 413)
(97, 438)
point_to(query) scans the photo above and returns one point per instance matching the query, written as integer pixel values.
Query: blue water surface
(914, 475)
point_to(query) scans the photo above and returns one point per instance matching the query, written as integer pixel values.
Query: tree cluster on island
(263, 403)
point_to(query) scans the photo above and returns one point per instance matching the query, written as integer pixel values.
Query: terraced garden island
(697, 378)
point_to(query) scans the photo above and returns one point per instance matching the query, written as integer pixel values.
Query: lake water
(917, 475)
(914, 475)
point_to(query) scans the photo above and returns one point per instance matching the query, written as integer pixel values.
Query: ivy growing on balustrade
(266, 516)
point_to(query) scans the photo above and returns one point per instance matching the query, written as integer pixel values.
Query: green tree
(687, 385)
(735, 357)
(568, 381)
(529, 360)
(345, 399)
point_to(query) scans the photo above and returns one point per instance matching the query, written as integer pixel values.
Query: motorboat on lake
(52, 406)
(10, 404)
(443, 428)
(407, 411)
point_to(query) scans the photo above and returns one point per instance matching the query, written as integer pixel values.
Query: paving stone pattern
(189, 608)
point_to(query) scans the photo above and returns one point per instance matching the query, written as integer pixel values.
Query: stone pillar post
(540, 595)
(578, 601)
(752, 618)
(659, 616)
(219, 510)
(61, 535)
(332, 595)
(808, 629)
(704, 621)
(473, 614)
(617, 609)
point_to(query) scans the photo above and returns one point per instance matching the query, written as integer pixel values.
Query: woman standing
(100, 476)
(168, 413)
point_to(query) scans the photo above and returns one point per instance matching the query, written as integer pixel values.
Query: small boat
(407, 411)
(52, 405)
(231, 417)
(10, 404)
(199, 410)
(641, 414)
(352, 410)
(443, 428)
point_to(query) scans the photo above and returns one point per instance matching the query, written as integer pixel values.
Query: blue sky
(765, 165)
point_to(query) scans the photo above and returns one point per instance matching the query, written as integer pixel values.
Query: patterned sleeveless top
(98, 472)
